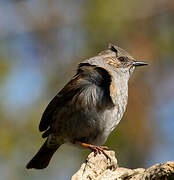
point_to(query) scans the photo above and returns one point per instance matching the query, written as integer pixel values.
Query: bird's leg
(104, 147)
(95, 149)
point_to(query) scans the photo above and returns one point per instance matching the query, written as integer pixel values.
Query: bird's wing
(89, 88)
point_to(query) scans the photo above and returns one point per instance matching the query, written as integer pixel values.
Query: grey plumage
(91, 105)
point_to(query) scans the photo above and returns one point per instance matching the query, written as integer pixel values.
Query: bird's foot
(95, 149)
(104, 147)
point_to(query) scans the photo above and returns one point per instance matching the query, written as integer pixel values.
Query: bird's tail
(43, 157)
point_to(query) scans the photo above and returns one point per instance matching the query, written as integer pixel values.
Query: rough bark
(98, 167)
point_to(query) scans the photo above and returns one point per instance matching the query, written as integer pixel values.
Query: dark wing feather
(47, 115)
(88, 77)
(64, 95)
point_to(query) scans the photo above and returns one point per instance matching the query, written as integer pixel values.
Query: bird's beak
(139, 63)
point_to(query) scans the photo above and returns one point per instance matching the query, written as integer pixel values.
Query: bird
(90, 105)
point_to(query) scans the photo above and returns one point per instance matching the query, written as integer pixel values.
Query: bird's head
(119, 59)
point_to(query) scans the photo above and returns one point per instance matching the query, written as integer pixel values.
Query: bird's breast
(112, 117)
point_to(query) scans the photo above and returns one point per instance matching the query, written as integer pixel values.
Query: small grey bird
(90, 105)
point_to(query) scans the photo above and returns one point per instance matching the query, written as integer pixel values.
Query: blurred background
(41, 43)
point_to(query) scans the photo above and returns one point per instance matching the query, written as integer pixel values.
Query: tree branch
(99, 168)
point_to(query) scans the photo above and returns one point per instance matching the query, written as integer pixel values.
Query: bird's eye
(122, 58)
